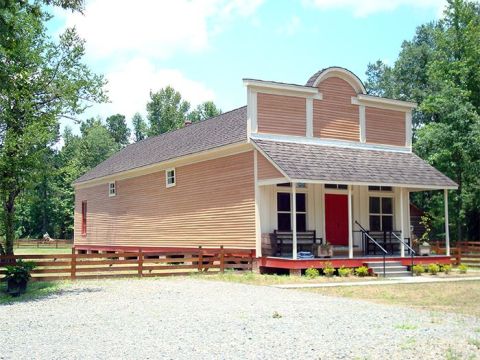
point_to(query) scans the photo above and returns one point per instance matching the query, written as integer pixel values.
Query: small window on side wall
(170, 177)
(112, 189)
(84, 218)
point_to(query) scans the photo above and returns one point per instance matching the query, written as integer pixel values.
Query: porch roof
(322, 163)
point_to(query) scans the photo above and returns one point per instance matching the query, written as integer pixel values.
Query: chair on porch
(282, 242)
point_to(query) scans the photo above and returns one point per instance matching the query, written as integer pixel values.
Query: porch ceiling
(334, 164)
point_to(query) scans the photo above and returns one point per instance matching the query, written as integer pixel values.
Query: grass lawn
(35, 290)
(41, 251)
(458, 297)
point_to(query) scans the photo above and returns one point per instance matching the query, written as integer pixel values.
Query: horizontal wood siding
(211, 205)
(266, 170)
(335, 117)
(385, 126)
(280, 114)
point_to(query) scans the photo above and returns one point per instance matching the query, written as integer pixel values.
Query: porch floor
(339, 261)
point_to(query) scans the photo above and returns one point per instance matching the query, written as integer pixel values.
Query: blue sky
(204, 48)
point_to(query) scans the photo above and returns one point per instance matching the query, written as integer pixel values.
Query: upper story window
(336, 186)
(170, 177)
(379, 188)
(112, 189)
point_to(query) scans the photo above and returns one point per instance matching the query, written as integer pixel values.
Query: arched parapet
(337, 72)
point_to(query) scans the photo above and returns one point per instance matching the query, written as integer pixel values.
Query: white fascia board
(271, 85)
(375, 101)
(360, 183)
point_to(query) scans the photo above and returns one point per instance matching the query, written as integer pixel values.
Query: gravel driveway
(185, 318)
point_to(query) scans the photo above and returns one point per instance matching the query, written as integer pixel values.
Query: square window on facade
(170, 177)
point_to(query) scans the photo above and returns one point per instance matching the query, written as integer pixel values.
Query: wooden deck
(286, 263)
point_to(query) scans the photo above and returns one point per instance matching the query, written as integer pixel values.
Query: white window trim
(110, 194)
(167, 184)
(299, 191)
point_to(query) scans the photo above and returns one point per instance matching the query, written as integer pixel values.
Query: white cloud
(129, 86)
(153, 28)
(291, 27)
(361, 8)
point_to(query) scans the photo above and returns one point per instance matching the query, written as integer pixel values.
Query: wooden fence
(466, 252)
(132, 264)
(32, 243)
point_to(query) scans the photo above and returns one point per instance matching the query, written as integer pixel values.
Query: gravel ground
(185, 318)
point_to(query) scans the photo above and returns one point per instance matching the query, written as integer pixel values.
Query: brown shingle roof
(227, 128)
(352, 165)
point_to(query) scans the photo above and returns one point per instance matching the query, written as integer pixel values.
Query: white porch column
(294, 220)
(350, 227)
(402, 224)
(447, 233)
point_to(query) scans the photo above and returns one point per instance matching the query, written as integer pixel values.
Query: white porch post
(402, 224)
(350, 227)
(294, 220)
(447, 233)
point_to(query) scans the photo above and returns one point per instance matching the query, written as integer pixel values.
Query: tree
(166, 111)
(40, 82)
(440, 70)
(204, 111)
(117, 127)
(140, 128)
(95, 146)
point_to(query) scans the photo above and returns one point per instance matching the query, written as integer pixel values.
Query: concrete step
(379, 268)
(380, 263)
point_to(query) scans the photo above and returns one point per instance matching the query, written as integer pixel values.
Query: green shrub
(446, 268)
(328, 269)
(312, 273)
(463, 268)
(433, 269)
(344, 272)
(362, 271)
(418, 269)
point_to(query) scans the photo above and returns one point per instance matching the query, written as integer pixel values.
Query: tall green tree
(203, 111)
(118, 128)
(95, 146)
(140, 128)
(40, 82)
(440, 70)
(166, 111)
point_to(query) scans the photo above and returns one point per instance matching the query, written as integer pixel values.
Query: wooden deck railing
(132, 264)
(462, 251)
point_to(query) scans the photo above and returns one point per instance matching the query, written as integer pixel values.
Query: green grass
(35, 290)
(264, 279)
(41, 251)
(460, 297)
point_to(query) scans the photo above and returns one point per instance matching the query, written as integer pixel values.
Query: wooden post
(294, 220)
(447, 233)
(350, 227)
(140, 263)
(200, 259)
(73, 264)
(222, 259)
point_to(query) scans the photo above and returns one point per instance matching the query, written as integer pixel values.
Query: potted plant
(17, 277)
(325, 250)
(424, 247)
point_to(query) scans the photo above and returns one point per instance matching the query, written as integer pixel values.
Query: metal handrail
(412, 252)
(385, 252)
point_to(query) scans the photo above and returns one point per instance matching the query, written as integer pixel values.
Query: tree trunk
(9, 219)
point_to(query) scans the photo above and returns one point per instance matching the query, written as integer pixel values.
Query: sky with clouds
(204, 48)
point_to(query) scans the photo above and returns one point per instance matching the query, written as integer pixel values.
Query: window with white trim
(112, 190)
(170, 177)
(381, 213)
(284, 211)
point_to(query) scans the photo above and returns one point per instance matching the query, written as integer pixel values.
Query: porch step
(392, 268)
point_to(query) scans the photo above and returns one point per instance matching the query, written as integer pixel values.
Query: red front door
(336, 219)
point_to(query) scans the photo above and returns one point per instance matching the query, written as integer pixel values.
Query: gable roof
(227, 128)
(332, 164)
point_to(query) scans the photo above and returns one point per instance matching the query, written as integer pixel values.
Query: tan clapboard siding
(212, 204)
(266, 170)
(280, 114)
(335, 117)
(385, 126)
